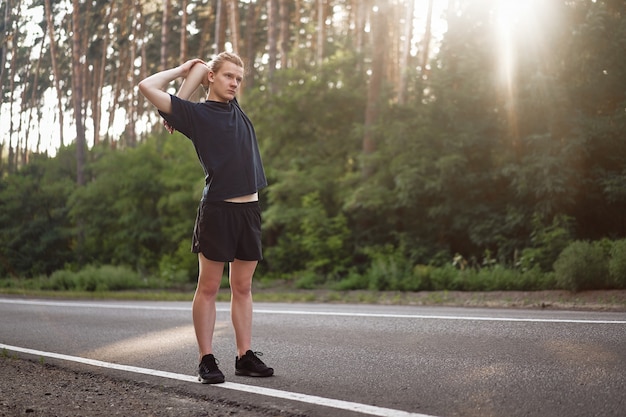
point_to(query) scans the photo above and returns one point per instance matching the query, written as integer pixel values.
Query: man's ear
(211, 76)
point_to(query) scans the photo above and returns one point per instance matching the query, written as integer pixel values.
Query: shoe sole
(244, 372)
(216, 380)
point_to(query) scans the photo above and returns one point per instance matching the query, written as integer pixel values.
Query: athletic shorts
(225, 231)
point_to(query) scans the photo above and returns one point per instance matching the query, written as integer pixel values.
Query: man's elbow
(142, 87)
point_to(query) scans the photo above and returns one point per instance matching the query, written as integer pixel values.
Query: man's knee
(208, 285)
(240, 289)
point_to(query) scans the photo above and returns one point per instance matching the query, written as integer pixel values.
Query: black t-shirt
(226, 145)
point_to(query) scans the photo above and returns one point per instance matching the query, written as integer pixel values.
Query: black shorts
(226, 231)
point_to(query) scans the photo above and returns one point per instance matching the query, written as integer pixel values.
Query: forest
(409, 144)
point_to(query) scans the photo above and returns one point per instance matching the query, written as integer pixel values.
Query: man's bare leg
(203, 306)
(240, 276)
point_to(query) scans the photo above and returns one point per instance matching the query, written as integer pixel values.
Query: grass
(591, 300)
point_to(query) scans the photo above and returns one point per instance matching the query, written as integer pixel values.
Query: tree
(251, 42)
(34, 232)
(55, 68)
(321, 31)
(273, 24)
(405, 52)
(453, 159)
(233, 18)
(183, 32)
(77, 92)
(283, 43)
(165, 33)
(221, 19)
(379, 31)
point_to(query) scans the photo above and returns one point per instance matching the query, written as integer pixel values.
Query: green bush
(547, 242)
(308, 280)
(536, 280)
(617, 264)
(354, 281)
(108, 278)
(421, 277)
(389, 269)
(444, 278)
(582, 266)
(179, 267)
(61, 280)
(494, 278)
(92, 278)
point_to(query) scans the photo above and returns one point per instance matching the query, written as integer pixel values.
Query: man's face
(226, 82)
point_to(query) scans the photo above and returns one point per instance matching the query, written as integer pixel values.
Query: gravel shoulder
(605, 300)
(35, 388)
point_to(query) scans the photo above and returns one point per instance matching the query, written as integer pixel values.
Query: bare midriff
(244, 198)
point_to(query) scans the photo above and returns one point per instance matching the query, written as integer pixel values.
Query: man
(228, 224)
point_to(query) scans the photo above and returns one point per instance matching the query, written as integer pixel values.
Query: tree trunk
(77, 93)
(183, 32)
(22, 139)
(14, 41)
(427, 38)
(55, 67)
(233, 22)
(131, 109)
(321, 31)
(116, 89)
(284, 34)
(34, 99)
(297, 23)
(205, 33)
(379, 35)
(272, 41)
(165, 33)
(3, 58)
(405, 52)
(86, 70)
(99, 72)
(143, 70)
(220, 26)
(4, 45)
(360, 18)
(235, 39)
(250, 45)
(77, 99)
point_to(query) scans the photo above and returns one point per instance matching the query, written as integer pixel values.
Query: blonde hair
(217, 61)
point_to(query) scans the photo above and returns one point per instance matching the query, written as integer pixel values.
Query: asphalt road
(349, 360)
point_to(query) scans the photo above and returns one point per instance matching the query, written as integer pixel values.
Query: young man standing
(228, 224)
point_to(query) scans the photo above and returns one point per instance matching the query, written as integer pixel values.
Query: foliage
(35, 233)
(91, 278)
(323, 237)
(617, 264)
(547, 243)
(391, 272)
(388, 269)
(307, 146)
(505, 172)
(122, 205)
(582, 266)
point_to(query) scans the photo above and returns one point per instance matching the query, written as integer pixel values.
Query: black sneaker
(208, 372)
(251, 365)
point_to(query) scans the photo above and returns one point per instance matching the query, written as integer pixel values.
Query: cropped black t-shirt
(226, 145)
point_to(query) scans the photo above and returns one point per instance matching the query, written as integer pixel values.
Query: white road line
(93, 305)
(436, 317)
(313, 313)
(269, 392)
